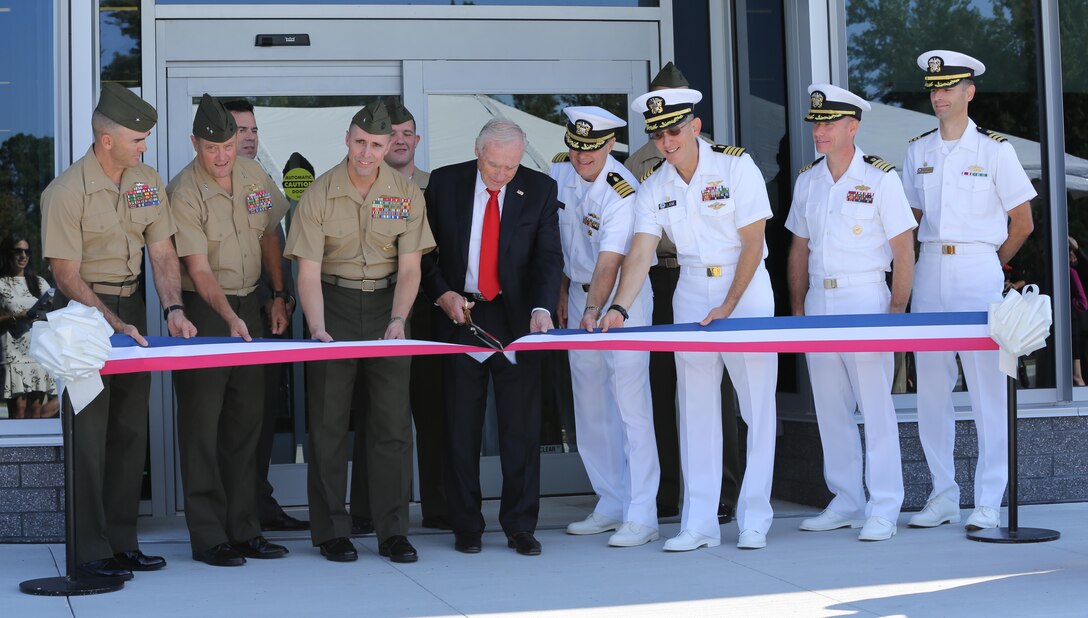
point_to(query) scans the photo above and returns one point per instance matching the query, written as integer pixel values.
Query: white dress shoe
(752, 539)
(632, 534)
(877, 529)
(828, 520)
(939, 510)
(983, 517)
(594, 524)
(688, 540)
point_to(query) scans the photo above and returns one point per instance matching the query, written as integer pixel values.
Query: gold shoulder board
(915, 139)
(735, 151)
(879, 163)
(809, 166)
(619, 185)
(561, 157)
(650, 171)
(997, 137)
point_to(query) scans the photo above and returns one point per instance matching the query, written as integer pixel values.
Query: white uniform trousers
(961, 283)
(841, 381)
(698, 379)
(613, 415)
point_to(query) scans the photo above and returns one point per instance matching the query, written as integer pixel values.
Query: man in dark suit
(499, 255)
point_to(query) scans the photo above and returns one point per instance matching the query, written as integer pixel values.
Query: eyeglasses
(25, 252)
(657, 136)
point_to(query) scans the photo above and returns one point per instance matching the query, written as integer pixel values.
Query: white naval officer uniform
(964, 190)
(613, 410)
(726, 193)
(848, 225)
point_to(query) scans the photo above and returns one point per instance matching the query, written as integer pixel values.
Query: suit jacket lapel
(464, 199)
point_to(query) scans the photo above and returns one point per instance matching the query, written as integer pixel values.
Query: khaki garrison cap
(669, 77)
(399, 114)
(374, 119)
(213, 122)
(120, 105)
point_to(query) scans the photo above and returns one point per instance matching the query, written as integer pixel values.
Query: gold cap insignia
(656, 105)
(935, 64)
(582, 128)
(817, 99)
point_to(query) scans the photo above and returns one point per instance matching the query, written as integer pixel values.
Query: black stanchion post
(69, 584)
(1013, 533)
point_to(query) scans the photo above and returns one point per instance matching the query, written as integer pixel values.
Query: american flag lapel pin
(520, 192)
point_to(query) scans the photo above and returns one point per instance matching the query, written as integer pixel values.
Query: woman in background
(30, 391)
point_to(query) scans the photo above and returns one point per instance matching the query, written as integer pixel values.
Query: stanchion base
(65, 587)
(1020, 535)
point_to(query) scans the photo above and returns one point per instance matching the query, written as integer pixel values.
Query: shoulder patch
(561, 157)
(650, 171)
(809, 166)
(735, 151)
(879, 163)
(915, 139)
(619, 184)
(997, 137)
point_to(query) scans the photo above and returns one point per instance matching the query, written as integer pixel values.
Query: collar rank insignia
(142, 195)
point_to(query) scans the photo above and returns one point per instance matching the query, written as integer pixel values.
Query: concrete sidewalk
(934, 572)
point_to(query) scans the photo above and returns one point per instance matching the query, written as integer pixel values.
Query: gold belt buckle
(713, 271)
(831, 284)
(948, 249)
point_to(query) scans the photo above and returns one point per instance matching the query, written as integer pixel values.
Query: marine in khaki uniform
(358, 235)
(664, 276)
(226, 209)
(426, 380)
(97, 219)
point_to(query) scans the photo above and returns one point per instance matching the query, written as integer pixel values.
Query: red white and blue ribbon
(912, 332)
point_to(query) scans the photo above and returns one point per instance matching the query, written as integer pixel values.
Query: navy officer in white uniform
(851, 223)
(971, 197)
(711, 200)
(612, 406)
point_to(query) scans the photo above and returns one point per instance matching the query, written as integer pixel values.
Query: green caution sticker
(295, 182)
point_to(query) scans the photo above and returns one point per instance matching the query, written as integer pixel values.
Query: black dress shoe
(525, 543)
(339, 550)
(284, 522)
(221, 555)
(259, 547)
(139, 561)
(467, 542)
(725, 513)
(398, 549)
(436, 523)
(666, 510)
(106, 567)
(361, 526)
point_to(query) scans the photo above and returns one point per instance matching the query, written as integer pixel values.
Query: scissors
(485, 337)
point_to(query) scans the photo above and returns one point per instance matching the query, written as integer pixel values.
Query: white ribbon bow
(1020, 324)
(73, 345)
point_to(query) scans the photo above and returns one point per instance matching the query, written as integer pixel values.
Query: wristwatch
(166, 312)
(620, 310)
(280, 294)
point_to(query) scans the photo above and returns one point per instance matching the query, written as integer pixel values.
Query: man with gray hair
(497, 230)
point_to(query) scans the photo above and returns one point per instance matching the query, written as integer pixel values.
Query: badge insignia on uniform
(582, 128)
(656, 105)
(817, 99)
(666, 204)
(386, 207)
(141, 195)
(976, 171)
(716, 205)
(860, 196)
(715, 191)
(926, 168)
(857, 230)
(592, 222)
(935, 64)
(258, 201)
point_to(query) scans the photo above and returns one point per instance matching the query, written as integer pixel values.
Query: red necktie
(488, 274)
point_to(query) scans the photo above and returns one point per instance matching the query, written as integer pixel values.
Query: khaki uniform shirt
(227, 228)
(421, 178)
(89, 219)
(355, 236)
